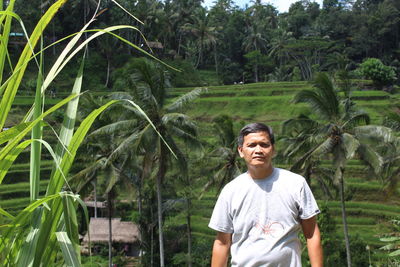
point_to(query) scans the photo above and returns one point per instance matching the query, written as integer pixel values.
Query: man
(258, 214)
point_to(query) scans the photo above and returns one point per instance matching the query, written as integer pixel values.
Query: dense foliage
(249, 44)
(148, 157)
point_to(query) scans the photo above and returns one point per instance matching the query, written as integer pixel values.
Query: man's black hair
(255, 128)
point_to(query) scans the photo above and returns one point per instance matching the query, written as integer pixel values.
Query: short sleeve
(221, 220)
(307, 205)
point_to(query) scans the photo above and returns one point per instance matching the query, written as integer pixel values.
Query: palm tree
(298, 137)
(278, 43)
(147, 82)
(341, 131)
(111, 171)
(254, 41)
(228, 162)
(204, 33)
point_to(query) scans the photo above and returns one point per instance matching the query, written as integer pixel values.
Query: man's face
(257, 150)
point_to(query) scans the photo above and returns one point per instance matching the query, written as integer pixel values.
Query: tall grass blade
(71, 225)
(6, 214)
(13, 85)
(68, 250)
(36, 148)
(10, 240)
(27, 252)
(14, 143)
(68, 124)
(56, 180)
(51, 218)
(9, 134)
(4, 38)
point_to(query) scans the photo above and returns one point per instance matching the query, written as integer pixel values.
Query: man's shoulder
(289, 175)
(238, 181)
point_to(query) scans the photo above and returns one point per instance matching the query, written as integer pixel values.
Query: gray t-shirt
(263, 216)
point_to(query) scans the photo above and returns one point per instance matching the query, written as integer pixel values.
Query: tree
(204, 34)
(146, 84)
(228, 163)
(380, 74)
(342, 132)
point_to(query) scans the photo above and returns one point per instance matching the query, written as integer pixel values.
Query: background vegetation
(252, 63)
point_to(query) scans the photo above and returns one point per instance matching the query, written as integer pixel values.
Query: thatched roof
(122, 232)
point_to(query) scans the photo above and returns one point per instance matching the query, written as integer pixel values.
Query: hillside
(368, 209)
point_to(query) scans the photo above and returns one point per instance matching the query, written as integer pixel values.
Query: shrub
(380, 74)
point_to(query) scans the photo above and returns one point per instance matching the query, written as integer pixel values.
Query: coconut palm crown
(336, 130)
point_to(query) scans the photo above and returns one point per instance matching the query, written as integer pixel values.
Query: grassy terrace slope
(369, 208)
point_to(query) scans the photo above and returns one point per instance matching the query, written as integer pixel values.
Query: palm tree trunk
(152, 240)
(95, 197)
(216, 59)
(160, 228)
(256, 72)
(108, 70)
(189, 230)
(160, 178)
(344, 219)
(109, 229)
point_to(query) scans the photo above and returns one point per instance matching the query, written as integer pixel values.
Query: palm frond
(371, 157)
(324, 148)
(184, 100)
(392, 120)
(181, 121)
(85, 176)
(350, 145)
(128, 144)
(374, 133)
(323, 100)
(355, 119)
(112, 128)
(314, 100)
(299, 125)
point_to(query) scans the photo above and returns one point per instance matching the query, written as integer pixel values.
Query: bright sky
(281, 5)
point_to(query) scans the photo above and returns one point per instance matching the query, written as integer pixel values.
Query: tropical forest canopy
(249, 44)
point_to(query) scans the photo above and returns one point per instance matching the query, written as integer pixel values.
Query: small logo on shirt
(271, 229)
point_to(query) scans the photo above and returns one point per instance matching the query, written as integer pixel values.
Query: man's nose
(258, 148)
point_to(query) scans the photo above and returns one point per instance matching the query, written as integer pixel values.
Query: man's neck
(260, 172)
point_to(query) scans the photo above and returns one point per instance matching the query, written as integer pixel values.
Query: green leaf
(395, 253)
(71, 222)
(37, 131)
(68, 250)
(13, 148)
(390, 239)
(68, 125)
(9, 134)
(350, 145)
(5, 213)
(56, 180)
(13, 84)
(27, 252)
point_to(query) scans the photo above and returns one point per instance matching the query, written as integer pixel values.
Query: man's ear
(240, 151)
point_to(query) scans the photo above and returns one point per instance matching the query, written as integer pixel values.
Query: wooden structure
(125, 235)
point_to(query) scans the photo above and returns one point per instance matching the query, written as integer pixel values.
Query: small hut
(125, 235)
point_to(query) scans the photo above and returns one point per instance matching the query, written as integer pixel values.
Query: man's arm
(313, 237)
(221, 248)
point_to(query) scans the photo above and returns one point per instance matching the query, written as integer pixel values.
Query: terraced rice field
(369, 207)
